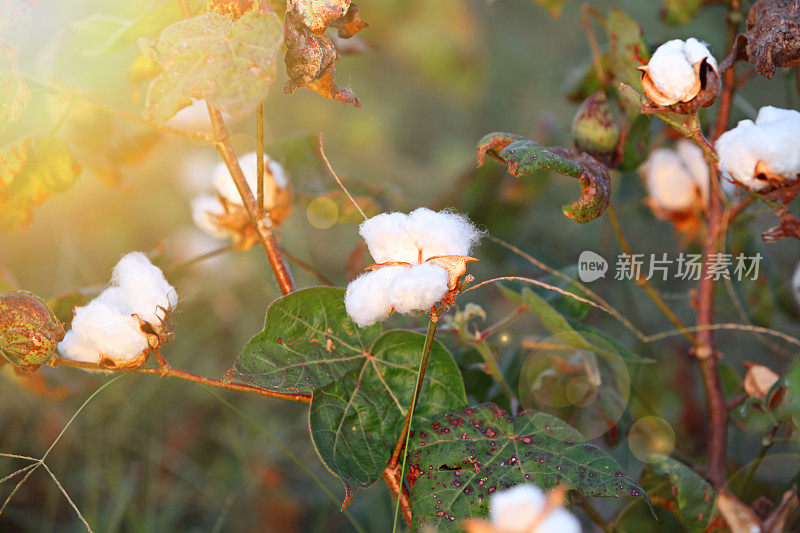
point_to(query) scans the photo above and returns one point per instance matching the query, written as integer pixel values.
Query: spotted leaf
(362, 381)
(462, 458)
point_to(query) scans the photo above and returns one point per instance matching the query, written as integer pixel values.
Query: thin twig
(260, 160)
(66, 495)
(321, 150)
(308, 268)
(540, 284)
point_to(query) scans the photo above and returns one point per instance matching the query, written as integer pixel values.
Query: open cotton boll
(669, 183)
(769, 114)
(515, 509)
(100, 330)
(145, 286)
(204, 208)
(696, 51)
(558, 520)
(418, 288)
(193, 117)
(694, 160)
(388, 240)
(671, 68)
(367, 297)
(796, 284)
(227, 188)
(441, 233)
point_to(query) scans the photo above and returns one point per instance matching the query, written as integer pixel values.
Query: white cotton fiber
(193, 117)
(796, 284)
(204, 208)
(515, 509)
(774, 139)
(558, 520)
(145, 287)
(695, 162)
(367, 297)
(418, 288)
(274, 178)
(101, 331)
(388, 240)
(441, 233)
(671, 68)
(669, 183)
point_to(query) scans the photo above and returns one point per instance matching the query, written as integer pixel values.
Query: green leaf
(553, 6)
(14, 93)
(637, 145)
(102, 34)
(677, 487)
(30, 172)
(362, 381)
(627, 49)
(357, 420)
(461, 459)
(228, 63)
(572, 332)
(524, 157)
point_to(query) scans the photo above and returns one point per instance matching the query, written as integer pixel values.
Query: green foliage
(362, 381)
(30, 171)
(461, 459)
(681, 11)
(14, 93)
(571, 331)
(554, 6)
(627, 49)
(196, 53)
(675, 486)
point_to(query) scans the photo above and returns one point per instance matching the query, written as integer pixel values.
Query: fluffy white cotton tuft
(418, 288)
(388, 240)
(695, 162)
(671, 68)
(227, 188)
(401, 237)
(796, 284)
(670, 184)
(367, 298)
(441, 233)
(204, 208)
(773, 139)
(145, 287)
(193, 117)
(516, 510)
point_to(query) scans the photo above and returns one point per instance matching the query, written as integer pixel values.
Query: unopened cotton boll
(204, 208)
(367, 297)
(669, 182)
(225, 186)
(148, 292)
(388, 240)
(672, 68)
(418, 288)
(759, 154)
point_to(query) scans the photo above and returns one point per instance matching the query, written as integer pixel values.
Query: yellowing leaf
(30, 171)
(230, 64)
(14, 94)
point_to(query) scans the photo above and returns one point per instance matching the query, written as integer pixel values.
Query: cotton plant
(222, 214)
(526, 508)
(128, 320)
(764, 153)
(420, 258)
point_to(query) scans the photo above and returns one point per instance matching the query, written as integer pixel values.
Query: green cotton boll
(595, 129)
(29, 331)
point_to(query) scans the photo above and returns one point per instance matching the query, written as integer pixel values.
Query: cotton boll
(515, 509)
(769, 114)
(558, 520)
(145, 286)
(274, 178)
(388, 240)
(669, 182)
(193, 117)
(441, 233)
(697, 51)
(204, 208)
(796, 284)
(672, 73)
(367, 297)
(99, 329)
(117, 298)
(695, 162)
(418, 288)
(736, 154)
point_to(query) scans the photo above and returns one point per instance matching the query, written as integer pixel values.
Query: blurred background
(433, 77)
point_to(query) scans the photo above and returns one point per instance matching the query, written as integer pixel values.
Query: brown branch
(225, 149)
(168, 371)
(391, 475)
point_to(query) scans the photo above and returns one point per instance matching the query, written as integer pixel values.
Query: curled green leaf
(524, 157)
